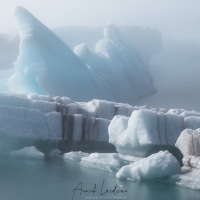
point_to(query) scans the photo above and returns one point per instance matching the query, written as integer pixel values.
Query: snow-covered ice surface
(157, 165)
(46, 65)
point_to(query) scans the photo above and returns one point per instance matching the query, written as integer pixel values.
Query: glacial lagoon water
(55, 179)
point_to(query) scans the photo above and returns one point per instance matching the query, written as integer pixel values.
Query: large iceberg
(32, 118)
(46, 65)
(135, 131)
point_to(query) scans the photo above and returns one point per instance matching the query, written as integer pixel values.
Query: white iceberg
(155, 166)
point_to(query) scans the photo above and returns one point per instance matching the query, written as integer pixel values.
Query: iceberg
(157, 165)
(146, 131)
(39, 120)
(46, 65)
(136, 132)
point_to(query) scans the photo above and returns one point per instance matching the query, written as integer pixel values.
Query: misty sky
(175, 18)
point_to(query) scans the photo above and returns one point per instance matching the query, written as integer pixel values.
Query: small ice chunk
(27, 152)
(103, 161)
(157, 165)
(75, 155)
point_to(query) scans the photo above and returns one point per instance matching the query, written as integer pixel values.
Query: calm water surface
(55, 180)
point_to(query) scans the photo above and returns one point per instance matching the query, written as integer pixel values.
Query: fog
(176, 19)
(165, 32)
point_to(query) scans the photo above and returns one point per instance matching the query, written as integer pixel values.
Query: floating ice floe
(103, 161)
(157, 165)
